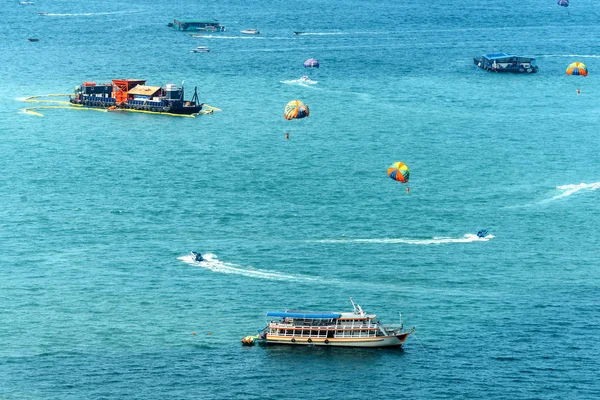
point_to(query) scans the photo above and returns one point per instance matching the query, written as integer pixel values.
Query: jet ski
(482, 233)
(196, 256)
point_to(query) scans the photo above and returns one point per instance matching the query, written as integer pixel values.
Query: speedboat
(42, 13)
(482, 233)
(201, 49)
(250, 32)
(298, 33)
(196, 256)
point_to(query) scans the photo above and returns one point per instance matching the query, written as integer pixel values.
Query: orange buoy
(209, 333)
(193, 333)
(248, 340)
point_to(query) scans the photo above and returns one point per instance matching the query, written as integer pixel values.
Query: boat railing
(287, 325)
(393, 328)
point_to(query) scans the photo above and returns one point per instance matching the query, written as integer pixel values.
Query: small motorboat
(196, 256)
(298, 33)
(201, 49)
(482, 233)
(250, 32)
(26, 3)
(33, 39)
(42, 13)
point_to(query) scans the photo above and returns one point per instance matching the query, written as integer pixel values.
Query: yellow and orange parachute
(296, 109)
(399, 171)
(577, 68)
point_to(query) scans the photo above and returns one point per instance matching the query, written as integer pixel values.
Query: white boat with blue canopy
(324, 328)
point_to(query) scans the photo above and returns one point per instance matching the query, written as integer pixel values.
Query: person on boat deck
(199, 257)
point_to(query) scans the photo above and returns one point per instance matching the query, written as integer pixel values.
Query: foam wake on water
(212, 263)
(300, 82)
(246, 37)
(89, 14)
(569, 190)
(468, 238)
(564, 191)
(341, 33)
(573, 55)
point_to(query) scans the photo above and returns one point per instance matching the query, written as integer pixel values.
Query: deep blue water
(98, 210)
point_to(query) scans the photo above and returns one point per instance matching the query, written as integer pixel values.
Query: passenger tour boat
(350, 329)
(506, 63)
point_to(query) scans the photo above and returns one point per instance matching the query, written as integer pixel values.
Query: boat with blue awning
(349, 329)
(502, 62)
(202, 25)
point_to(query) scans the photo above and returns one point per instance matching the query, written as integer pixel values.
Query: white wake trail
(468, 238)
(212, 263)
(569, 190)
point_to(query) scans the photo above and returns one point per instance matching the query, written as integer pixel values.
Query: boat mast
(357, 308)
(353, 306)
(195, 97)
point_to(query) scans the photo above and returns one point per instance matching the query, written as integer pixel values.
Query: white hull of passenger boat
(376, 341)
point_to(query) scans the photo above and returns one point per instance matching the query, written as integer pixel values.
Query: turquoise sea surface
(98, 211)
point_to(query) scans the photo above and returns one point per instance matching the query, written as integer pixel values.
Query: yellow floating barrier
(31, 110)
(208, 109)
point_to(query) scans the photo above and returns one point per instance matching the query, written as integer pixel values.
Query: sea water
(100, 210)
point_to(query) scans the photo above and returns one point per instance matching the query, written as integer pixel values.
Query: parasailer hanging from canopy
(399, 171)
(296, 109)
(564, 3)
(577, 68)
(311, 63)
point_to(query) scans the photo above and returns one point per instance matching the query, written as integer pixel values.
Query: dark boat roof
(196, 21)
(501, 56)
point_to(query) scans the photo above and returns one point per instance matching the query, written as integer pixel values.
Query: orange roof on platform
(144, 90)
(126, 84)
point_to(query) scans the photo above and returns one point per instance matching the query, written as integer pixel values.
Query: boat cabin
(208, 25)
(503, 62)
(303, 324)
